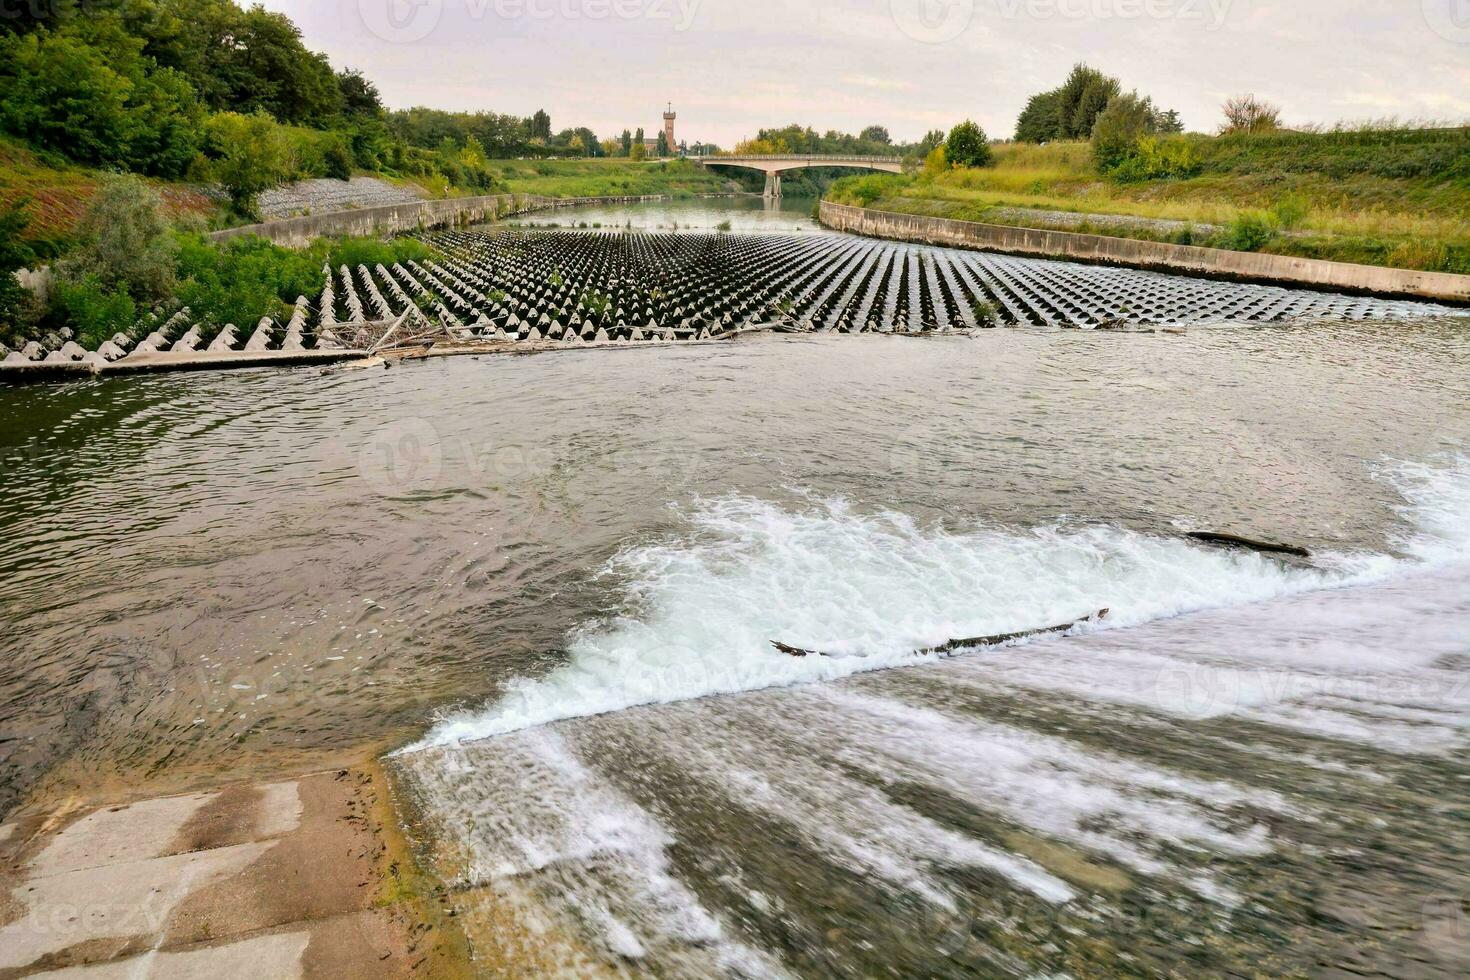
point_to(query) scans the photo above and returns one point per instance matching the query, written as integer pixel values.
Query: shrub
(1158, 158)
(126, 242)
(1290, 211)
(1248, 114)
(95, 312)
(15, 254)
(987, 314)
(251, 154)
(1250, 232)
(1115, 136)
(967, 146)
(863, 191)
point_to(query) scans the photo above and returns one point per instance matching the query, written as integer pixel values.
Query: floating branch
(951, 646)
(1236, 541)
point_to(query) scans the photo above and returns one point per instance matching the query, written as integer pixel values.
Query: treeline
(497, 134)
(208, 91)
(1132, 138)
(872, 141)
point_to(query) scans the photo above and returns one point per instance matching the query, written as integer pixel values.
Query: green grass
(607, 178)
(1375, 196)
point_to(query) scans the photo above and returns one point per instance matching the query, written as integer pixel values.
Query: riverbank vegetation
(217, 102)
(131, 260)
(609, 177)
(1379, 193)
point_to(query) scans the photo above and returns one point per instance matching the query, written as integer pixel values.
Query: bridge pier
(773, 186)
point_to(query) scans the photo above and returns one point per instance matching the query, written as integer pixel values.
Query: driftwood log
(1236, 541)
(951, 646)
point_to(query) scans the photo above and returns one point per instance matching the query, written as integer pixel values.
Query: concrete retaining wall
(1189, 259)
(394, 218)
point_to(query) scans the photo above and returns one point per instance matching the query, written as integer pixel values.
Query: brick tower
(669, 130)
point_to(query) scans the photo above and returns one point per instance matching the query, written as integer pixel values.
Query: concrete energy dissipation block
(630, 287)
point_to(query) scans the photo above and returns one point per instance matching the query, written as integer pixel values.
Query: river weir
(543, 591)
(532, 289)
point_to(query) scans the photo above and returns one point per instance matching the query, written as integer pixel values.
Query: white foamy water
(871, 588)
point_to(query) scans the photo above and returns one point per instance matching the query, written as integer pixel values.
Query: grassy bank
(606, 177)
(1391, 198)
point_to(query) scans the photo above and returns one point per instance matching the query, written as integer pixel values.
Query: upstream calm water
(523, 575)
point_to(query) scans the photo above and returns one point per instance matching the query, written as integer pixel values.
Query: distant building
(669, 129)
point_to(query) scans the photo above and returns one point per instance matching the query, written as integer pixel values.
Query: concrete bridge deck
(774, 165)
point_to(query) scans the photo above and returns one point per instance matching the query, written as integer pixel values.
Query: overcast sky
(733, 66)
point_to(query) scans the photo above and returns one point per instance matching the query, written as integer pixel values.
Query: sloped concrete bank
(413, 216)
(310, 876)
(1213, 263)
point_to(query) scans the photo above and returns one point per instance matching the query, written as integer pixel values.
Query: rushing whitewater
(872, 588)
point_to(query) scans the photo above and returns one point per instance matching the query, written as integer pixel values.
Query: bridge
(773, 166)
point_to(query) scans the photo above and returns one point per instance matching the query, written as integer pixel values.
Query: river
(544, 587)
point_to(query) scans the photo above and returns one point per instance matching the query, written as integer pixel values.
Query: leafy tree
(59, 93)
(627, 140)
(126, 242)
(933, 138)
(360, 97)
(967, 146)
(875, 134)
(540, 125)
(589, 140)
(284, 79)
(1248, 114)
(252, 155)
(639, 151)
(1082, 98)
(1168, 122)
(1041, 120)
(661, 146)
(936, 163)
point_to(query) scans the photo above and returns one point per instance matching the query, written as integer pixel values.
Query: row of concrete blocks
(852, 279)
(267, 336)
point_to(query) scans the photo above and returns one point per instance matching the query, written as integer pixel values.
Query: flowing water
(547, 586)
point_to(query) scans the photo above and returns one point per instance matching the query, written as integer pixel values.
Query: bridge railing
(833, 157)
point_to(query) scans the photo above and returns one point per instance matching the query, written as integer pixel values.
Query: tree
(61, 93)
(252, 155)
(639, 151)
(627, 143)
(1082, 98)
(1041, 120)
(933, 138)
(540, 125)
(1168, 122)
(360, 97)
(967, 146)
(661, 146)
(126, 245)
(278, 75)
(590, 142)
(876, 134)
(935, 163)
(1248, 114)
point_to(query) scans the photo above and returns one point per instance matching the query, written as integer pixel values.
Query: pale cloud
(732, 66)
